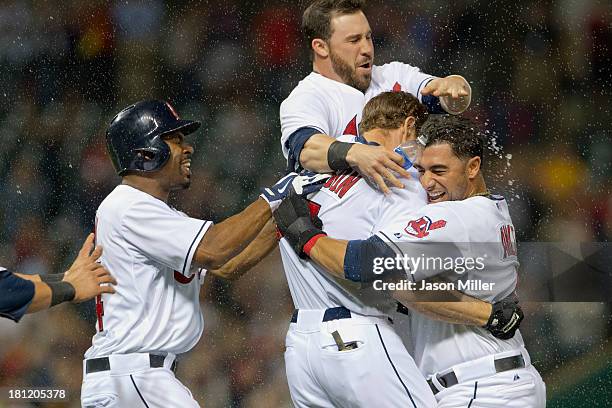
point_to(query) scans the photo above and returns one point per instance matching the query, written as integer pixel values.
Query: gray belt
(501, 365)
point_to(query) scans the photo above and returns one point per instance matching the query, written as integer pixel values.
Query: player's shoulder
(125, 198)
(312, 84)
(390, 68)
(305, 94)
(491, 202)
(474, 211)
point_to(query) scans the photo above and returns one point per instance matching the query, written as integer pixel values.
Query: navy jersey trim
(423, 82)
(295, 143)
(192, 243)
(17, 295)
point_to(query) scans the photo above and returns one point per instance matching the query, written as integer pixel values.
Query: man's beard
(348, 74)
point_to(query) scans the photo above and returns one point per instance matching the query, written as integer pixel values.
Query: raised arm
(454, 92)
(227, 239)
(323, 153)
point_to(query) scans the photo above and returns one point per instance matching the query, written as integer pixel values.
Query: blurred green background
(541, 72)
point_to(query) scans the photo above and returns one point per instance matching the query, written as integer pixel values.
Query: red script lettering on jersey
(508, 240)
(342, 183)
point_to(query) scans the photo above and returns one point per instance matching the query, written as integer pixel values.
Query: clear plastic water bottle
(410, 151)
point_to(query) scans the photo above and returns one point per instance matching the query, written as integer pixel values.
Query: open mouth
(366, 65)
(186, 167)
(435, 196)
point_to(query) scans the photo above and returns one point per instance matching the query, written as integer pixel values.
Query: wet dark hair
(389, 110)
(462, 134)
(316, 20)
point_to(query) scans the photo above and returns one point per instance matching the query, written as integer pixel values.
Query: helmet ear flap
(150, 158)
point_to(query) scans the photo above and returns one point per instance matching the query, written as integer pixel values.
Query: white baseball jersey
(350, 208)
(478, 227)
(335, 108)
(148, 248)
(380, 371)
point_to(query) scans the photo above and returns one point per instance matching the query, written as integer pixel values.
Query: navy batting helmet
(134, 137)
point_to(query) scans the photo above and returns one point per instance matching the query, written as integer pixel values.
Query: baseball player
(21, 294)
(328, 102)
(153, 250)
(342, 349)
(465, 365)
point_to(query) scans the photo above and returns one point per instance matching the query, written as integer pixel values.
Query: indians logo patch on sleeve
(420, 228)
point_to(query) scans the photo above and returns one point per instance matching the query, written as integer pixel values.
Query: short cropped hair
(389, 110)
(465, 138)
(316, 20)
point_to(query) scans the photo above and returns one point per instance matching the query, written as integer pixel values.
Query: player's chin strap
(505, 318)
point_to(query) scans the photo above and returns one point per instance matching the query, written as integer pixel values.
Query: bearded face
(358, 77)
(351, 50)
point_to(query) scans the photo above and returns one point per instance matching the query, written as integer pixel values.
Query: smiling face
(176, 173)
(443, 175)
(351, 50)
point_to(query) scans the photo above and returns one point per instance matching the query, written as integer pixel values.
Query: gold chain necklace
(486, 193)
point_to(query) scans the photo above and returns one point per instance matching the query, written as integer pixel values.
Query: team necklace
(485, 193)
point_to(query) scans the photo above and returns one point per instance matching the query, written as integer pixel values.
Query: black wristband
(61, 292)
(299, 233)
(336, 155)
(53, 277)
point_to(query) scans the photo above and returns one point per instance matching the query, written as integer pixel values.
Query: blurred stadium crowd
(541, 72)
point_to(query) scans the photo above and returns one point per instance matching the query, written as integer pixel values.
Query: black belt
(333, 313)
(501, 365)
(95, 365)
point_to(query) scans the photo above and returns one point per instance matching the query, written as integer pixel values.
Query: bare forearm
(314, 153)
(463, 309)
(227, 239)
(42, 297)
(257, 250)
(329, 254)
(31, 278)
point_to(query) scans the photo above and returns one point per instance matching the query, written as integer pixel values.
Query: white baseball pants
(518, 388)
(378, 373)
(131, 382)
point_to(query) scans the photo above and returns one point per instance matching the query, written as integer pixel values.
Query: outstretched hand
(454, 86)
(88, 277)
